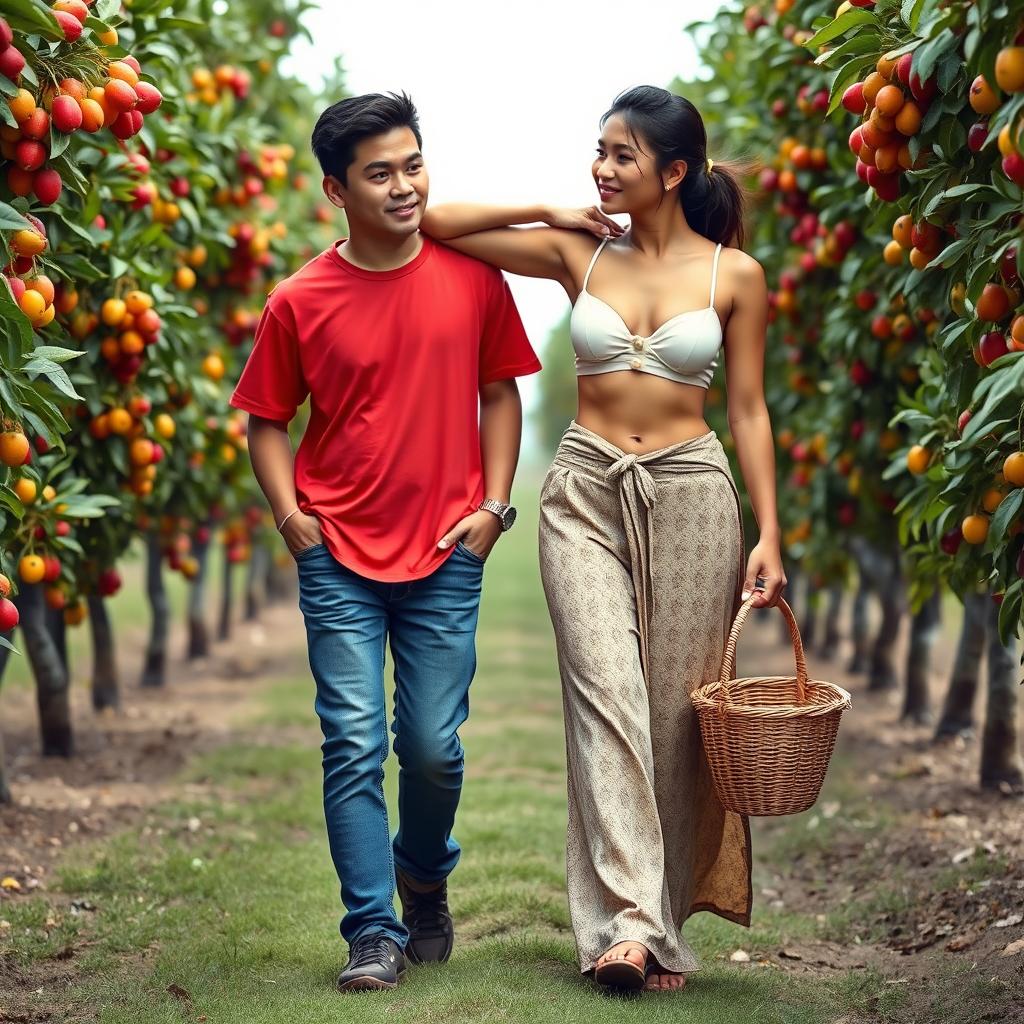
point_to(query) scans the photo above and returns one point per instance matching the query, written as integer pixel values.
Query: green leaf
(4, 642)
(926, 56)
(10, 219)
(29, 16)
(106, 9)
(58, 143)
(838, 26)
(1004, 514)
(56, 354)
(910, 12)
(55, 374)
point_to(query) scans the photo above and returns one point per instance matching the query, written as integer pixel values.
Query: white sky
(509, 95)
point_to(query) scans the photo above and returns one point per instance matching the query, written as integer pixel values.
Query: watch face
(508, 518)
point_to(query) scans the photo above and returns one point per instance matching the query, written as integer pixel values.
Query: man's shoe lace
(426, 913)
(373, 951)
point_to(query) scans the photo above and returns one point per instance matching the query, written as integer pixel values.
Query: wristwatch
(505, 513)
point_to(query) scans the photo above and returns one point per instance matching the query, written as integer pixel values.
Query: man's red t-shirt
(393, 362)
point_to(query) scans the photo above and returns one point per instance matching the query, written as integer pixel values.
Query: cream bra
(684, 348)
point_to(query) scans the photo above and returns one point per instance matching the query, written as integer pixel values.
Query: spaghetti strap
(714, 272)
(593, 260)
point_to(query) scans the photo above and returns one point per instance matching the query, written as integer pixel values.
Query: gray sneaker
(425, 914)
(374, 962)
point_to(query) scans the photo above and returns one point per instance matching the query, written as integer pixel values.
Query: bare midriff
(640, 412)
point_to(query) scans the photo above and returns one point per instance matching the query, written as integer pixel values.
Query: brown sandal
(622, 974)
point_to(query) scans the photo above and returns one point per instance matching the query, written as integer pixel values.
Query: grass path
(224, 908)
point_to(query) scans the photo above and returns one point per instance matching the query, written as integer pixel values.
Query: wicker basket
(769, 738)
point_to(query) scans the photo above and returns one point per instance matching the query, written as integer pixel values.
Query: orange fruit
(994, 303)
(113, 312)
(887, 158)
(213, 366)
(1017, 330)
(886, 67)
(983, 97)
(141, 452)
(131, 343)
(908, 120)
(893, 253)
(919, 259)
(28, 242)
(93, 115)
(901, 230)
(185, 278)
(31, 568)
(125, 72)
(1013, 469)
(13, 448)
(49, 493)
(975, 528)
(1010, 69)
(108, 38)
(74, 615)
(26, 490)
(873, 84)
(120, 421)
(1005, 142)
(137, 302)
(23, 105)
(918, 459)
(889, 100)
(991, 498)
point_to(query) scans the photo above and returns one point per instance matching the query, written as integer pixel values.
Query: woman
(640, 531)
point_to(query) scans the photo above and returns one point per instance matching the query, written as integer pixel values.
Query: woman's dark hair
(343, 125)
(672, 127)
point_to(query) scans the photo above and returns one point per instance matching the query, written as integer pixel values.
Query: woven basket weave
(769, 738)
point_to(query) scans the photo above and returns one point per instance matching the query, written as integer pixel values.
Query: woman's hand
(301, 532)
(765, 562)
(589, 219)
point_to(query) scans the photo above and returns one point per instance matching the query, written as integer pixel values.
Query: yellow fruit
(185, 278)
(213, 366)
(1010, 69)
(1013, 469)
(918, 459)
(164, 426)
(893, 253)
(113, 312)
(28, 242)
(137, 302)
(26, 490)
(31, 569)
(991, 498)
(983, 98)
(119, 420)
(975, 528)
(49, 493)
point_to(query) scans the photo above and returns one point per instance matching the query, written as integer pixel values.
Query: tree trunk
(280, 581)
(794, 595)
(1001, 765)
(105, 692)
(5, 792)
(154, 668)
(227, 599)
(859, 633)
(809, 609)
(51, 675)
(833, 634)
(59, 631)
(924, 632)
(958, 708)
(198, 631)
(256, 581)
(891, 592)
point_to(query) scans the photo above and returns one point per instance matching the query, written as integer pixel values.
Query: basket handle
(729, 661)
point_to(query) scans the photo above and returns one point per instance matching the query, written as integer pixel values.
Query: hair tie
(711, 163)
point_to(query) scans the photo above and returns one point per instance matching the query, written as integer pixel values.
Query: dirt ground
(935, 817)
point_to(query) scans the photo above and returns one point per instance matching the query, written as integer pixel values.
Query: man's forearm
(501, 429)
(270, 452)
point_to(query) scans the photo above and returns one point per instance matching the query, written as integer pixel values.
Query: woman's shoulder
(741, 267)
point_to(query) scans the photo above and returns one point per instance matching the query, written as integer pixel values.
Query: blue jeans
(431, 623)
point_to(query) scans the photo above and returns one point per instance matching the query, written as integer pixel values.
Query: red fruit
(148, 321)
(127, 124)
(903, 68)
(150, 97)
(36, 125)
(926, 236)
(12, 63)
(63, 528)
(138, 163)
(862, 3)
(42, 445)
(923, 91)
(779, 108)
(862, 170)
(1013, 168)
(79, 8)
(808, 262)
(993, 345)
(52, 571)
(144, 194)
(887, 187)
(70, 25)
(976, 136)
(865, 300)
(47, 186)
(109, 582)
(278, 28)
(788, 281)
(860, 374)
(9, 617)
(180, 187)
(29, 155)
(1008, 265)
(845, 234)
(950, 542)
(120, 95)
(847, 514)
(19, 181)
(67, 114)
(963, 419)
(853, 99)
(881, 327)
(158, 454)
(100, 222)
(18, 287)
(6, 35)
(857, 429)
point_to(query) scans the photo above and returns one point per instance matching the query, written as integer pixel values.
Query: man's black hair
(343, 125)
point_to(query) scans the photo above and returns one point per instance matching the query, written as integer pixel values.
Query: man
(400, 487)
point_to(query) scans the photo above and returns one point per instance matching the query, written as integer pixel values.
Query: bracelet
(280, 525)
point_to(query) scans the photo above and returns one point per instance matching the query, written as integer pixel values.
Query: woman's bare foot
(660, 980)
(622, 966)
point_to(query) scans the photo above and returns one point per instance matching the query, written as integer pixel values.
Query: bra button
(638, 342)
(634, 364)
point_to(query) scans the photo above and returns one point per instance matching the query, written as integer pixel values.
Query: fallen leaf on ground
(179, 993)
(961, 855)
(1008, 922)
(790, 954)
(961, 942)
(11, 884)
(1014, 948)
(741, 956)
